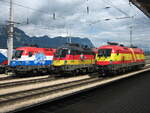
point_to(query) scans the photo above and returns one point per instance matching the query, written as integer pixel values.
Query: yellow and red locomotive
(115, 58)
(74, 58)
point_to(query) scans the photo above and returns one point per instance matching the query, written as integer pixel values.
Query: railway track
(46, 90)
(14, 82)
(14, 98)
(12, 79)
(16, 93)
(6, 89)
(11, 82)
(5, 76)
(20, 96)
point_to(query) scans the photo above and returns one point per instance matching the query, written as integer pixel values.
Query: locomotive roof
(35, 49)
(117, 47)
(74, 46)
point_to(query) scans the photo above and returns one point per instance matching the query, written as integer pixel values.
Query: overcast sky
(71, 19)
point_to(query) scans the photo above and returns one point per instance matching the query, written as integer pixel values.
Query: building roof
(143, 5)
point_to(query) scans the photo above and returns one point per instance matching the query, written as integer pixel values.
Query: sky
(101, 24)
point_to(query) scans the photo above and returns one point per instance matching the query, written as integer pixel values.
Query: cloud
(72, 19)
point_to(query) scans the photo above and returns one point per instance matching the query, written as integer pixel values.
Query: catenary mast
(10, 33)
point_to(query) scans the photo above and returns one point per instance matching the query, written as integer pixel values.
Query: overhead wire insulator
(107, 7)
(130, 2)
(87, 9)
(107, 19)
(27, 17)
(27, 20)
(54, 16)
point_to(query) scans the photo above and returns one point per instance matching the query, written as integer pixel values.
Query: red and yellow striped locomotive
(115, 58)
(74, 58)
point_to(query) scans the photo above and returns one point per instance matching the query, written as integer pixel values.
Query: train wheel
(119, 71)
(19, 74)
(83, 71)
(73, 73)
(102, 73)
(114, 72)
(2, 71)
(77, 71)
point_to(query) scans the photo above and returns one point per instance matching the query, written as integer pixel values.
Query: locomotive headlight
(19, 62)
(13, 62)
(110, 61)
(65, 62)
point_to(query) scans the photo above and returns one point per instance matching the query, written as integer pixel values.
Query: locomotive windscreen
(104, 52)
(17, 54)
(61, 53)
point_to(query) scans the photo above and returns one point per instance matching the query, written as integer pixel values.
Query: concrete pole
(131, 36)
(10, 34)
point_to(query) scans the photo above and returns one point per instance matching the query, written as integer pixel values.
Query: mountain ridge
(22, 39)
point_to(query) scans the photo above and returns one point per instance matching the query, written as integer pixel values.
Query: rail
(12, 99)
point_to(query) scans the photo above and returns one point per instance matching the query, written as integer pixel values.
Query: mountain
(22, 39)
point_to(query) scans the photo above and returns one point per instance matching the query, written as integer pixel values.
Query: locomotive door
(133, 55)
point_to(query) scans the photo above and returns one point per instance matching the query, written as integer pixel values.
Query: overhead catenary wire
(30, 8)
(111, 4)
(108, 19)
(41, 11)
(17, 4)
(54, 14)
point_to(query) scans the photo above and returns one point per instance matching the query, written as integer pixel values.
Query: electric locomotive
(32, 59)
(3, 60)
(74, 58)
(114, 58)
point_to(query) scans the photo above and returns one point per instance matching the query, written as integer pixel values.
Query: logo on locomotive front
(39, 58)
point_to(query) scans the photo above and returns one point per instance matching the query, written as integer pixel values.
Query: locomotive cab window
(30, 54)
(18, 54)
(104, 52)
(61, 53)
(73, 52)
(117, 52)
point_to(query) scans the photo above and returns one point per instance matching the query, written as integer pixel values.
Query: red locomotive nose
(5, 62)
(113, 58)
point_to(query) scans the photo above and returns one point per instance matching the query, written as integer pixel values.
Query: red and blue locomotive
(32, 59)
(3, 60)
